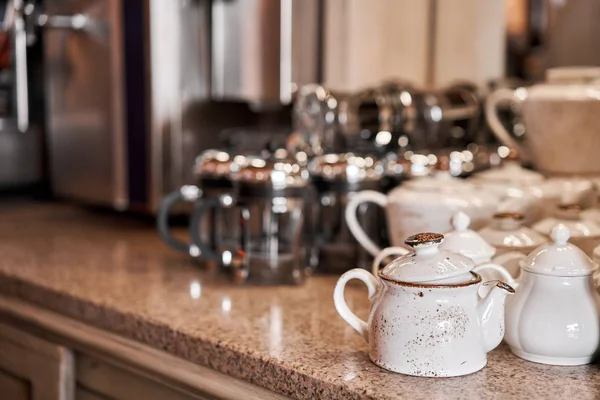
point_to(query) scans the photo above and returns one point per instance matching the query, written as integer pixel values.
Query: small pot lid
(346, 167)
(511, 173)
(466, 241)
(568, 190)
(572, 74)
(571, 216)
(428, 262)
(507, 230)
(440, 181)
(275, 173)
(559, 257)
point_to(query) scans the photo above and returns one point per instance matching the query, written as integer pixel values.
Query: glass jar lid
(271, 177)
(346, 167)
(466, 241)
(428, 263)
(216, 164)
(559, 257)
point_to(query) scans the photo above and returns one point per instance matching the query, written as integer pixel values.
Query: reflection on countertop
(115, 273)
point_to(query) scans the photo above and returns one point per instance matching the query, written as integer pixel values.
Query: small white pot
(554, 318)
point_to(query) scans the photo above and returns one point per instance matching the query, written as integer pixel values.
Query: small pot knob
(424, 239)
(425, 243)
(460, 221)
(560, 234)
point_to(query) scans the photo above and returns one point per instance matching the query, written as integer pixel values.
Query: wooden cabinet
(97, 378)
(13, 387)
(32, 368)
(35, 369)
(78, 361)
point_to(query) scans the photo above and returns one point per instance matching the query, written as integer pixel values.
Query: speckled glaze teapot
(426, 316)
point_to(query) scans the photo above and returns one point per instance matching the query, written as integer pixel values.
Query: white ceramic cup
(561, 117)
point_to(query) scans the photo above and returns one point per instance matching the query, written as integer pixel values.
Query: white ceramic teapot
(426, 317)
(422, 205)
(555, 316)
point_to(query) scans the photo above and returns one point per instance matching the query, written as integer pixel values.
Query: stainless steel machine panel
(85, 101)
(262, 50)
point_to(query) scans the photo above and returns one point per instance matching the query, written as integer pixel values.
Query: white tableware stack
(505, 225)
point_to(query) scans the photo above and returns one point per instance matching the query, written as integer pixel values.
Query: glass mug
(214, 169)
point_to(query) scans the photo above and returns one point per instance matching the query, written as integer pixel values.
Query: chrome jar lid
(215, 167)
(345, 171)
(271, 177)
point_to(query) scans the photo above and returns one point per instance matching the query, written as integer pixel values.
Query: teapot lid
(573, 74)
(559, 257)
(427, 263)
(511, 172)
(440, 181)
(466, 241)
(569, 215)
(507, 230)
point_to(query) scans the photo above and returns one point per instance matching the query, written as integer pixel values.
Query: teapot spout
(491, 314)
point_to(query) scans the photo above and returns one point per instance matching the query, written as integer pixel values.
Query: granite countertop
(114, 273)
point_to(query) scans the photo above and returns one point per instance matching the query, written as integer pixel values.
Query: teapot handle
(496, 98)
(383, 254)
(366, 196)
(341, 306)
(501, 270)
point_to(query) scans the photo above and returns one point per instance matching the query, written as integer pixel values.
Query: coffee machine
(138, 88)
(21, 102)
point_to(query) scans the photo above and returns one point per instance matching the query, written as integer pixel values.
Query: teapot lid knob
(460, 221)
(424, 239)
(560, 234)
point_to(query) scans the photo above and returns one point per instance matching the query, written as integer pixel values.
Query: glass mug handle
(492, 102)
(188, 193)
(366, 196)
(205, 250)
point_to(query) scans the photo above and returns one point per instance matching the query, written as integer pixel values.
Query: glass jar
(336, 177)
(271, 197)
